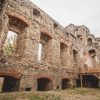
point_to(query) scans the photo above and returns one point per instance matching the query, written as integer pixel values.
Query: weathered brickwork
(67, 53)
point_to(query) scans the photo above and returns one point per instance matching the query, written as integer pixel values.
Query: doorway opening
(44, 84)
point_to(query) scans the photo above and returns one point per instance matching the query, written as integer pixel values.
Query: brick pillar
(27, 83)
(56, 51)
(4, 7)
(68, 59)
(57, 83)
(48, 53)
(3, 30)
(32, 36)
(72, 83)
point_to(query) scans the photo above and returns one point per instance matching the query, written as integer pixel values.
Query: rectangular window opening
(40, 51)
(28, 89)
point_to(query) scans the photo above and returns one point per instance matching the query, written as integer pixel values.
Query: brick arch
(63, 42)
(90, 40)
(14, 30)
(11, 73)
(46, 33)
(65, 78)
(15, 15)
(74, 47)
(92, 49)
(38, 76)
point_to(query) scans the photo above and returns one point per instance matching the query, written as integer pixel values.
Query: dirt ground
(69, 94)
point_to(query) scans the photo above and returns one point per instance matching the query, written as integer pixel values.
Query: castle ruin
(47, 56)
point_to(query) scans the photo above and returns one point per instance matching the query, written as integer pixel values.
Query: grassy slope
(70, 94)
(29, 96)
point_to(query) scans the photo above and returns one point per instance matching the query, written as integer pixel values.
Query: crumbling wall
(33, 26)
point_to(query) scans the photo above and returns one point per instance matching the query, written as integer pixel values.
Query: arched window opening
(17, 23)
(10, 43)
(79, 37)
(75, 57)
(76, 29)
(44, 48)
(44, 84)
(89, 41)
(92, 54)
(63, 54)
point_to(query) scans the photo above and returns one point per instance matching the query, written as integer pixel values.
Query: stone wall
(63, 52)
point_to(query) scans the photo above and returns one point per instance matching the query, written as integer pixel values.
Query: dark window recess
(78, 36)
(57, 87)
(55, 25)
(36, 12)
(67, 34)
(27, 89)
(81, 39)
(2, 1)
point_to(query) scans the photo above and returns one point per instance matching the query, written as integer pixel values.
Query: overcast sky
(78, 12)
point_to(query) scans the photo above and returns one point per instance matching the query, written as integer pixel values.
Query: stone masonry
(67, 53)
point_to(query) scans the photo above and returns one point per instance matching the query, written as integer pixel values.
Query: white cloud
(79, 12)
